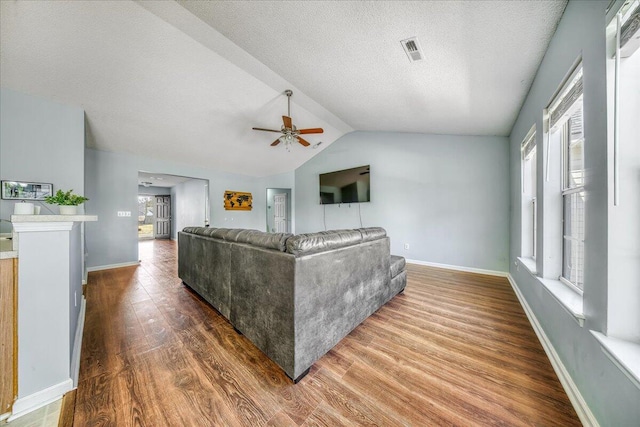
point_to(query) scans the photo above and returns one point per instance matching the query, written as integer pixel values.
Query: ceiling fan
(289, 132)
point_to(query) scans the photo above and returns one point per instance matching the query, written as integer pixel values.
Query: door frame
(269, 209)
(155, 217)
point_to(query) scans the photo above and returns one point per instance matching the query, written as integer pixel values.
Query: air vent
(412, 49)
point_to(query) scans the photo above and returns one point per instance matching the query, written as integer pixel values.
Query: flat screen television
(345, 186)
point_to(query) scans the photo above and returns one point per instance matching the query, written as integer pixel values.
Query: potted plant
(67, 201)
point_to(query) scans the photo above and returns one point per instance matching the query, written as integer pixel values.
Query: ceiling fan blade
(276, 142)
(303, 142)
(312, 130)
(287, 122)
(267, 130)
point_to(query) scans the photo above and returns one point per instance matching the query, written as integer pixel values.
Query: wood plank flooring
(454, 349)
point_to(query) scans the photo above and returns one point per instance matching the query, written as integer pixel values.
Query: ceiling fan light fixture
(287, 139)
(289, 131)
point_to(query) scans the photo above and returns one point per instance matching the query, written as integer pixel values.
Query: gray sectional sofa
(294, 297)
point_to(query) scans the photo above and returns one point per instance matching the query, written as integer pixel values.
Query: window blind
(562, 108)
(629, 33)
(528, 144)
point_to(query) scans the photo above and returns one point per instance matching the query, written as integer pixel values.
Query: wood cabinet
(8, 329)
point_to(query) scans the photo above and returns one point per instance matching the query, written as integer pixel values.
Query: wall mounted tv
(346, 186)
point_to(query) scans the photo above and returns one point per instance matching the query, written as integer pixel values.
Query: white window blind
(630, 31)
(529, 143)
(562, 107)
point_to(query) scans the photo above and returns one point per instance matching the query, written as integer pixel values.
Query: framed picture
(237, 201)
(15, 190)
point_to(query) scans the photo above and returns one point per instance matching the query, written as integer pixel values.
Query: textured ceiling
(480, 57)
(186, 81)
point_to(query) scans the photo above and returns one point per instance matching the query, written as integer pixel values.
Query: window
(529, 216)
(573, 201)
(566, 135)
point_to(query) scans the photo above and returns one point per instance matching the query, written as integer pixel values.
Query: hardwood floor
(454, 349)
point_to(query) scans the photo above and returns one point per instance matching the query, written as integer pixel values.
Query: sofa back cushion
(372, 233)
(309, 243)
(258, 238)
(277, 241)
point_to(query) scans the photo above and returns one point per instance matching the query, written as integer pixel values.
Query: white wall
(447, 196)
(112, 185)
(623, 299)
(611, 396)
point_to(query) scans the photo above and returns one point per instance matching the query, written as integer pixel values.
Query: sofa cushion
(372, 233)
(194, 230)
(206, 231)
(277, 241)
(259, 238)
(397, 264)
(302, 244)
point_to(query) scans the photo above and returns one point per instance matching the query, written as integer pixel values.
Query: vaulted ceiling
(187, 80)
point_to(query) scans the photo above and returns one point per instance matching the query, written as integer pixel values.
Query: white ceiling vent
(412, 49)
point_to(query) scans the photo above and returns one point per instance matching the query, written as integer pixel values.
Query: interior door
(280, 212)
(163, 217)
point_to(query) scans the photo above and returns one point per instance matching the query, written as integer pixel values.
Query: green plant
(65, 198)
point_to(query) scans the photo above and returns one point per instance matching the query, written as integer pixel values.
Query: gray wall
(610, 395)
(112, 185)
(447, 196)
(40, 141)
(187, 205)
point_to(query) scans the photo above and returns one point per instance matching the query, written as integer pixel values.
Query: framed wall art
(237, 201)
(16, 190)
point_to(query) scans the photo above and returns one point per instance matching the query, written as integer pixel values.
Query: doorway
(279, 210)
(145, 216)
(168, 203)
(154, 216)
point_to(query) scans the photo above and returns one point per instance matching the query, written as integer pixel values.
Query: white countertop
(53, 218)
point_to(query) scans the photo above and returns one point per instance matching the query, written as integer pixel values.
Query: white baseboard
(459, 268)
(584, 413)
(110, 266)
(85, 277)
(77, 343)
(37, 400)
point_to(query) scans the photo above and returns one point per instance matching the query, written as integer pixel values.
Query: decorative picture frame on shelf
(237, 201)
(17, 190)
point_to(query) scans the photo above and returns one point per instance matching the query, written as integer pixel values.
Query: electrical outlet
(406, 246)
(124, 213)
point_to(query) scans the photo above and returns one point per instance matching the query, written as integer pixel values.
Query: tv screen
(346, 186)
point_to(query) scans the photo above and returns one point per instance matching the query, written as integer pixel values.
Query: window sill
(529, 264)
(624, 354)
(567, 297)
